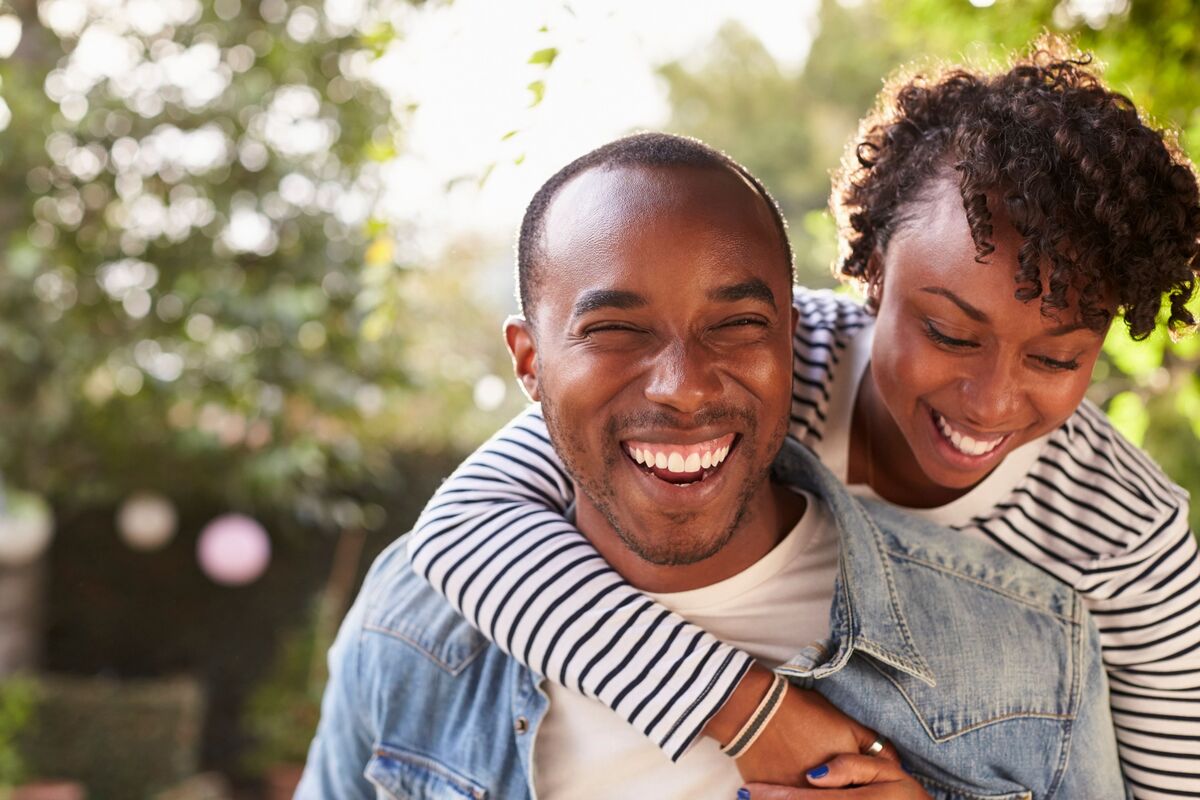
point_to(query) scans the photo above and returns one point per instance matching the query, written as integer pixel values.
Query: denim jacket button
(522, 725)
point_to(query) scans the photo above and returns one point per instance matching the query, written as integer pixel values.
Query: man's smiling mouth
(681, 464)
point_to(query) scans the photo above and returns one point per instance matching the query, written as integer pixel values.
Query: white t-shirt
(772, 609)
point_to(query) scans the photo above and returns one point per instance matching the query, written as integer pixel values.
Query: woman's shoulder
(827, 323)
(828, 310)
(1090, 459)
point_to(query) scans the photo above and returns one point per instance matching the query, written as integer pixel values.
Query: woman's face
(968, 372)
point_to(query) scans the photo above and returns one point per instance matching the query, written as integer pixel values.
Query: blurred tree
(198, 296)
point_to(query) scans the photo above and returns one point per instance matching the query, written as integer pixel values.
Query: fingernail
(819, 772)
(743, 794)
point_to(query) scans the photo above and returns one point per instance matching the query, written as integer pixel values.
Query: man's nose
(992, 393)
(683, 377)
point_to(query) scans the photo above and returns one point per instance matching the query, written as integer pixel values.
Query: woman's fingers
(866, 737)
(855, 770)
(847, 777)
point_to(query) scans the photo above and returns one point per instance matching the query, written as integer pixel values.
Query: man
(657, 338)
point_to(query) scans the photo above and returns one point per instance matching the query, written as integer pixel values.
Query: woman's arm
(1143, 591)
(495, 542)
(1147, 606)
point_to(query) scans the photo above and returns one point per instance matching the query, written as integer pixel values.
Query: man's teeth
(675, 462)
(966, 444)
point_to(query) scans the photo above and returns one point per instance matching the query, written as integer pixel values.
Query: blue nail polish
(743, 794)
(819, 772)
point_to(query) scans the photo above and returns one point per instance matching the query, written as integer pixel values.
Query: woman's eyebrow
(968, 309)
(977, 315)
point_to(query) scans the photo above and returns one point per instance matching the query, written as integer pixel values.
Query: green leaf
(509, 135)
(379, 37)
(1128, 414)
(539, 91)
(487, 173)
(545, 56)
(381, 150)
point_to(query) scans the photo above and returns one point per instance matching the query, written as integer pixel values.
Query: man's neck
(769, 516)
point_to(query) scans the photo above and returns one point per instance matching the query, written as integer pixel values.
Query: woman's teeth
(964, 444)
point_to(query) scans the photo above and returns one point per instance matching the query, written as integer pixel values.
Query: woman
(998, 223)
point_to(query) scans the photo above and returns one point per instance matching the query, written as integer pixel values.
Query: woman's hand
(848, 777)
(805, 732)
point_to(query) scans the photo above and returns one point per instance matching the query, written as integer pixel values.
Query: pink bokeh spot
(233, 550)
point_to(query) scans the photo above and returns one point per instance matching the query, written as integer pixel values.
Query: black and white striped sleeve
(1123, 540)
(495, 542)
(1147, 607)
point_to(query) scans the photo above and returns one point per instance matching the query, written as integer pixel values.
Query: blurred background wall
(254, 258)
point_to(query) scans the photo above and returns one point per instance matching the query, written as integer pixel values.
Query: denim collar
(868, 613)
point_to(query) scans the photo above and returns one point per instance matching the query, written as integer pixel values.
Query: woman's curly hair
(1108, 204)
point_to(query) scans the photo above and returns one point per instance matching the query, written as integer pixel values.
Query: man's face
(660, 350)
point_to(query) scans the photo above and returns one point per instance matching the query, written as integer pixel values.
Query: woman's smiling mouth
(681, 464)
(968, 443)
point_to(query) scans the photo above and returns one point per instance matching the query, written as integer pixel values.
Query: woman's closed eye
(938, 337)
(1057, 365)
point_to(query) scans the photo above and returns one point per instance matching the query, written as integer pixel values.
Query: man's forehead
(614, 201)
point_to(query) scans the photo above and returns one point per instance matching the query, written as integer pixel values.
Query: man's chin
(669, 553)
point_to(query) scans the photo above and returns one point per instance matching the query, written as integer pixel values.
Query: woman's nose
(992, 394)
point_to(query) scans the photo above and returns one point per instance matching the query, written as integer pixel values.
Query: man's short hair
(641, 149)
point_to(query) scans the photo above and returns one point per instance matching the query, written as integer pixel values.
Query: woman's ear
(518, 333)
(874, 281)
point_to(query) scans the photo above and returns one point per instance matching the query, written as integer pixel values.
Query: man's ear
(521, 344)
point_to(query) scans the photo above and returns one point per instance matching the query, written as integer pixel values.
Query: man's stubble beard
(601, 494)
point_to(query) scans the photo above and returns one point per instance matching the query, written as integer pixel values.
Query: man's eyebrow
(753, 289)
(607, 298)
(968, 309)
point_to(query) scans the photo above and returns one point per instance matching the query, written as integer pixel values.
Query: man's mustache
(665, 420)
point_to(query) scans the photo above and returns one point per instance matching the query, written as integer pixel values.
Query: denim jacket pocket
(400, 774)
(940, 790)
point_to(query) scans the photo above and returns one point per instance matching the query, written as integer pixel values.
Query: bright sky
(465, 68)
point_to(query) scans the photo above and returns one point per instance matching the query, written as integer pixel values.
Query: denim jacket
(984, 672)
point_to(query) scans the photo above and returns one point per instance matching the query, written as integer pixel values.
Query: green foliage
(545, 56)
(198, 296)
(282, 713)
(538, 90)
(18, 700)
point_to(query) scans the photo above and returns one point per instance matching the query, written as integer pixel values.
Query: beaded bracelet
(758, 720)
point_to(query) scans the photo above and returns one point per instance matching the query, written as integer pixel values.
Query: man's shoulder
(943, 554)
(400, 607)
